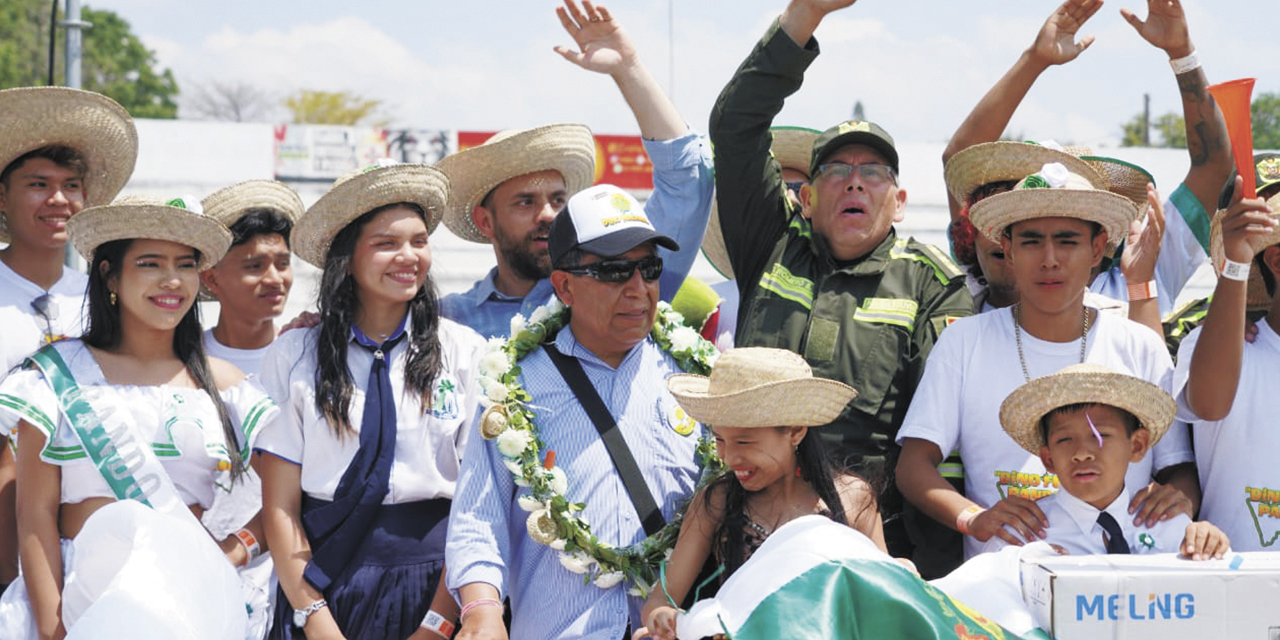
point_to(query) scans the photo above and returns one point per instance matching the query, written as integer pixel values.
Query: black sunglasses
(619, 271)
(44, 307)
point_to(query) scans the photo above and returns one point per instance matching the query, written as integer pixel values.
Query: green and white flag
(816, 579)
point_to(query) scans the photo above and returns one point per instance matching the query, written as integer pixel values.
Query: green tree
(333, 107)
(1173, 130)
(115, 61)
(1133, 132)
(1266, 121)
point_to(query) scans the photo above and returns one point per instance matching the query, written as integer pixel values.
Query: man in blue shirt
(604, 252)
(507, 190)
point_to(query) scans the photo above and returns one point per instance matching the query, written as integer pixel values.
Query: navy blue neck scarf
(336, 529)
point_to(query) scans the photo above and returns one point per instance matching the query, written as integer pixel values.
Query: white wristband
(437, 624)
(1233, 270)
(1185, 64)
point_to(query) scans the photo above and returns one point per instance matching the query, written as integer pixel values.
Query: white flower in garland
(554, 520)
(513, 442)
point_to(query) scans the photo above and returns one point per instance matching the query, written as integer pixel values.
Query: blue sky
(918, 66)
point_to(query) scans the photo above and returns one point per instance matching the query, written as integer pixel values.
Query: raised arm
(605, 47)
(802, 17)
(1207, 142)
(1055, 44)
(1215, 363)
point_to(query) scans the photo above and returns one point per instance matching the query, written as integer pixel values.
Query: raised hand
(1242, 221)
(1056, 42)
(603, 45)
(1165, 27)
(1138, 263)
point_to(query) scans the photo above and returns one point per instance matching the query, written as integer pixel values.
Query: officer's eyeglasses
(619, 271)
(872, 174)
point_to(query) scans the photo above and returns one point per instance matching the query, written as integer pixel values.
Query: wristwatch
(300, 615)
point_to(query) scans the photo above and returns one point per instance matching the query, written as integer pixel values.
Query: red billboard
(620, 160)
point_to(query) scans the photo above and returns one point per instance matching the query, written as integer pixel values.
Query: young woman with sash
(377, 403)
(129, 416)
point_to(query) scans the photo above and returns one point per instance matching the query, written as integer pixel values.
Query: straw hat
(228, 204)
(180, 220)
(791, 147)
(1124, 178)
(760, 387)
(473, 173)
(362, 191)
(1057, 190)
(1256, 297)
(91, 123)
(1021, 412)
(1006, 161)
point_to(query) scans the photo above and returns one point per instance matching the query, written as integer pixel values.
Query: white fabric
(1236, 455)
(991, 583)
(975, 366)
(248, 361)
(24, 331)
(181, 423)
(729, 300)
(429, 447)
(1073, 525)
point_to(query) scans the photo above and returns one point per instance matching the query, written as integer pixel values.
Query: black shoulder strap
(641, 498)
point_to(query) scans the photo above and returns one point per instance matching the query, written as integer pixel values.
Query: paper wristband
(436, 623)
(1233, 270)
(1183, 65)
(250, 543)
(965, 517)
(1142, 291)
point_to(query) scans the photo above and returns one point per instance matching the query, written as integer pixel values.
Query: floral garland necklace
(553, 520)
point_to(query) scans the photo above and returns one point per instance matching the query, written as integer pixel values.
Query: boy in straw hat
(60, 151)
(974, 172)
(1088, 423)
(508, 190)
(1054, 227)
(830, 280)
(1224, 383)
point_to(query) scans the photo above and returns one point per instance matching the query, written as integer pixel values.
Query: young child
(1087, 423)
(761, 403)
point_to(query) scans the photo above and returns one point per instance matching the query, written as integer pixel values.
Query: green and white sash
(124, 459)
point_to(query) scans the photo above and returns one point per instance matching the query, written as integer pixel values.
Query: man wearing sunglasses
(830, 278)
(606, 271)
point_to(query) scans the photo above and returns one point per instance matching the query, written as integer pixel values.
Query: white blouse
(180, 422)
(429, 446)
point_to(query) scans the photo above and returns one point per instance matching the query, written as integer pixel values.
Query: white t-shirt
(22, 331)
(429, 447)
(975, 366)
(247, 360)
(1236, 455)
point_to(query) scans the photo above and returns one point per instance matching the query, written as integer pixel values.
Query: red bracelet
(482, 602)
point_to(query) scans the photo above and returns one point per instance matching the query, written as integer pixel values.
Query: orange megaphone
(1233, 98)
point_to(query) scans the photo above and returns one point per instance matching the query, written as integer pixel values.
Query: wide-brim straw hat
(228, 204)
(1083, 196)
(1021, 412)
(791, 147)
(473, 173)
(179, 220)
(1124, 178)
(1006, 161)
(362, 191)
(760, 387)
(1256, 298)
(94, 125)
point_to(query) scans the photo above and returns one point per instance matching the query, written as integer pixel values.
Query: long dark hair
(339, 305)
(728, 540)
(105, 328)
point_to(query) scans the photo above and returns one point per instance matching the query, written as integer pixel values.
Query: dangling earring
(113, 298)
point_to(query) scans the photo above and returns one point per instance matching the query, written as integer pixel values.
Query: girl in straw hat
(761, 403)
(377, 407)
(95, 415)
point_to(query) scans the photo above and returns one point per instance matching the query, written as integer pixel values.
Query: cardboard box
(1141, 597)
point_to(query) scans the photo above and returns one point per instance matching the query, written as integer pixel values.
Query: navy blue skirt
(386, 589)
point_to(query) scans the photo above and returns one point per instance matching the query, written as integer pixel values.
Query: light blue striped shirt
(488, 541)
(683, 190)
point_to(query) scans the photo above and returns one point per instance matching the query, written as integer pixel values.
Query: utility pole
(1146, 119)
(73, 24)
